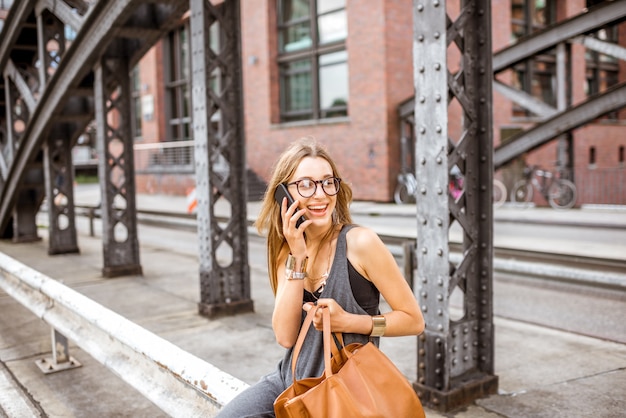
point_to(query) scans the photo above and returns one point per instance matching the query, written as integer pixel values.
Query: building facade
(339, 70)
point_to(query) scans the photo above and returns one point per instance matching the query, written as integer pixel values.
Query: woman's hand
(338, 316)
(294, 236)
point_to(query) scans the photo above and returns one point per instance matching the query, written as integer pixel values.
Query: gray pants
(255, 402)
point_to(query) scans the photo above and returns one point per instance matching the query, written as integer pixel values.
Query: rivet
(423, 190)
(420, 38)
(424, 280)
(438, 341)
(437, 371)
(436, 3)
(483, 245)
(482, 100)
(440, 297)
(439, 253)
(421, 353)
(424, 221)
(422, 366)
(440, 280)
(437, 66)
(483, 216)
(422, 99)
(424, 250)
(423, 161)
(420, 7)
(437, 97)
(438, 160)
(422, 130)
(438, 356)
(424, 295)
(439, 222)
(424, 309)
(453, 361)
(438, 129)
(422, 68)
(454, 349)
(439, 312)
(439, 190)
(465, 358)
(437, 35)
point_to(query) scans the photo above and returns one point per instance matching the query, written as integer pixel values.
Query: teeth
(317, 207)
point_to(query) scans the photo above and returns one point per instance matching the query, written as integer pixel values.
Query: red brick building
(341, 75)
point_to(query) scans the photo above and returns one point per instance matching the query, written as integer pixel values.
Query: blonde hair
(269, 220)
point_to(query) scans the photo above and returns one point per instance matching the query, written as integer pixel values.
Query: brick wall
(380, 76)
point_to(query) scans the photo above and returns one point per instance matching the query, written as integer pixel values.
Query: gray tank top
(311, 359)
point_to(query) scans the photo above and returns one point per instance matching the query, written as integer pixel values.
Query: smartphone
(280, 192)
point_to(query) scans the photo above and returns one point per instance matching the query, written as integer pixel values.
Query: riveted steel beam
(116, 169)
(455, 352)
(59, 181)
(607, 13)
(611, 100)
(219, 157)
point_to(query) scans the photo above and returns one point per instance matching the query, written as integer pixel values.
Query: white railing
(168, 376)
(164, 156)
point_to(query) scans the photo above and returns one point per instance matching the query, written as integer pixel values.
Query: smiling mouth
(317, 209)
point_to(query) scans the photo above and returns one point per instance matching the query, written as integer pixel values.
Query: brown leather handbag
(358, 381)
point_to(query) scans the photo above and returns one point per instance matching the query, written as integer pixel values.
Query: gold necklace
(324, 276)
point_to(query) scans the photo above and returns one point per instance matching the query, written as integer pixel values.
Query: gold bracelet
(379, 324)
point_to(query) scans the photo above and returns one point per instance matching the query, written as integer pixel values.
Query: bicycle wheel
(401, 194)
(499, 193)
(562, 194)
(522, 192)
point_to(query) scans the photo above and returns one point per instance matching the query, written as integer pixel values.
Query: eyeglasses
(308, 187)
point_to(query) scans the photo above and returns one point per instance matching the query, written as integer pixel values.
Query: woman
(326, 261)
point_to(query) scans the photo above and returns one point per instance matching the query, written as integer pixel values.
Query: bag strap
(302, 335)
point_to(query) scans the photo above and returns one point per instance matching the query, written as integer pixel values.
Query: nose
(319, 189)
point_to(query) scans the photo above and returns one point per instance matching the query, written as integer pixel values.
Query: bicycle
(406, 189)
(559, 193)
(498, 193)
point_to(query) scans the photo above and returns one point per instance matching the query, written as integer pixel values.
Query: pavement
(543, 372)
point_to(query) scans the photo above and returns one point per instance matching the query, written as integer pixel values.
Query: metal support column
(59, 175)
(116, 168)
(455, 353)
(565, 147)
(219, 157)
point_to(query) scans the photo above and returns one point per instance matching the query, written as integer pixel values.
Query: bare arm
(371, 258)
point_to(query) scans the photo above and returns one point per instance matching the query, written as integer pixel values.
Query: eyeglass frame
(316, 182)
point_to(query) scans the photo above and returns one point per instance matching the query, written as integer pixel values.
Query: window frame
(312, 55)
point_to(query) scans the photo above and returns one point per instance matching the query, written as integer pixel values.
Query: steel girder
(114, 142)
(219, 152)
(59, 183)
(59, 95)
(456, 351)
(574, 117)
(607, 13)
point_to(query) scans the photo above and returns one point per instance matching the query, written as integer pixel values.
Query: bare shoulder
(361, 239)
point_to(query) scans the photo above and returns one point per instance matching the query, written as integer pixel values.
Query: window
(135, 86)
(312, 60)
(178, 96)
(177, 86)
(620, 155)
(592, 155)
(536, 76)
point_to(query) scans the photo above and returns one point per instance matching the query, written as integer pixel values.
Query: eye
(306, 183)
(328, 182)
